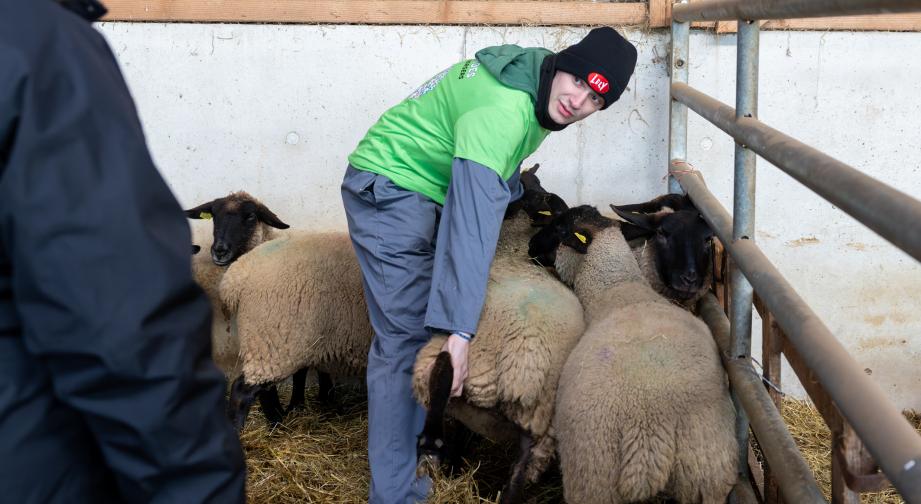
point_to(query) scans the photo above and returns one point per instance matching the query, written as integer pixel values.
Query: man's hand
(457, 347)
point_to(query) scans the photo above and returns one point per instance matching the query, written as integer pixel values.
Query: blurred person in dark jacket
(107, 389)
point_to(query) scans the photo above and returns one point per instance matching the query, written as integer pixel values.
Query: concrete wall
(275, 110)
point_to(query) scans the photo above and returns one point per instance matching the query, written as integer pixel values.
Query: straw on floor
(320, 455)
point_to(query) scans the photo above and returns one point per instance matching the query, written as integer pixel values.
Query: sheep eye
(251, 217)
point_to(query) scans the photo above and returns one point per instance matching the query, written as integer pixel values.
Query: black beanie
(603, 59)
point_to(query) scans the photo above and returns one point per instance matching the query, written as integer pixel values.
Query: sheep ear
(530, 181)
(672, 202)
(203, 211)
(542, 246)
(268, 217)
(632, 232)
(645, 221)
(579, 240)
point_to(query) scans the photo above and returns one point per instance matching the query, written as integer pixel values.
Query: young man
(107, 388)
(425, 193)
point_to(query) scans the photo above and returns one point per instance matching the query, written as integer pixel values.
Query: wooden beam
(660, 13)
(810, 382)
(450, 12)
(877, 22)
(771, 346)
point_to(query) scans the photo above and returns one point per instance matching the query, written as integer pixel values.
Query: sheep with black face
(240, 222)
(672, 243)
(643, 403)
(273, 314)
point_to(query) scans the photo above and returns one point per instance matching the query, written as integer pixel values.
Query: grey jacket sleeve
(466, 243)
(514, 185)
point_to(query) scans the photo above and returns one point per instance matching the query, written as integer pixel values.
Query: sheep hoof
(428, 465)
(431, 452)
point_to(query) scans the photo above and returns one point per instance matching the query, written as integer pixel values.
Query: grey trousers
(393, 232)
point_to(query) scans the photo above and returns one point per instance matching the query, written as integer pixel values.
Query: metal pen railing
(887, 435)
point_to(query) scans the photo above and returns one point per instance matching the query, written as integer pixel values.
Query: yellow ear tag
(581, 238)
(204, 215)
(545, 212)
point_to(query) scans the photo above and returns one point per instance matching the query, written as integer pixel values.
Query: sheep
(224, 347)
(233, 216)
(529, 323)
(671, 242)
(296, 286)
(295, 302)
(240, 222)
(643, 404)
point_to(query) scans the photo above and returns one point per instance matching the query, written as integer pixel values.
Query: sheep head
(573, 228)
(541, 206)
(682, 241)
(240, 223)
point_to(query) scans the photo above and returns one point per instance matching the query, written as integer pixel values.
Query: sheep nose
(690, 277)
(220, 249)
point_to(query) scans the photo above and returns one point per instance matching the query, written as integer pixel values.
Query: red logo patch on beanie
(598, 82)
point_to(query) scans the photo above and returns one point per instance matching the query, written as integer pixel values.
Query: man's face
(571, 99)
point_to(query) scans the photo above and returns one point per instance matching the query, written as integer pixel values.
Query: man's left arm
(467, 235)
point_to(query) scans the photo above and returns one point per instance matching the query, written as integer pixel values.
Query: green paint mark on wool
(272, 246)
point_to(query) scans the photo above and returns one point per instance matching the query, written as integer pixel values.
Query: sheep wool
(224, 347)
(529, 324)
(643, 405)
(298, 301)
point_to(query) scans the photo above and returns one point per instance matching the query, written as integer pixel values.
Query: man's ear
(267, 216)
(203, 211)
(579, 240)
(649, 222)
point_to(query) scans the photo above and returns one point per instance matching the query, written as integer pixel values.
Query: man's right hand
(457, 346)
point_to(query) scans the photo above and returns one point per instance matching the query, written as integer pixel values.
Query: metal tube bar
(889, 212)
(740, 308)
(678, 112)
(729, 10)
(791, 471)
(887, 434)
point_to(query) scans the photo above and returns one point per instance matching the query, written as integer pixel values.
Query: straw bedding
(321, 456)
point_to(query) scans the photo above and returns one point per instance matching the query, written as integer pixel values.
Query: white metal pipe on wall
(276, 109)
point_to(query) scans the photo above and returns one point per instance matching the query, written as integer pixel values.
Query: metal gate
(867, 428)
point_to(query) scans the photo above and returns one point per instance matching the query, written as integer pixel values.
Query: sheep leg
(325, 394)
(241, 400)
(461, 442)
(514, 489)
(431, 446)
(243, 394)
(270, 404)
(298, 384)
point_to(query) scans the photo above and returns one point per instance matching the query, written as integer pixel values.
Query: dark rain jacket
(107, 389)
